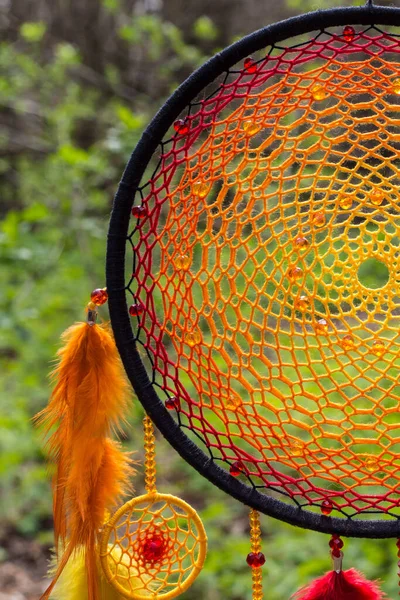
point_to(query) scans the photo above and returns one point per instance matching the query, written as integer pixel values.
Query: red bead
(153, 549)
(349, 33)
(172, 403)
(182, 126)
(326, 507)
(250, 65)
(336, 543)
(398, 543)
(136, 309)
(139, 212)
(237, 468)
(99, 296)
(336, 552)
(255, 559)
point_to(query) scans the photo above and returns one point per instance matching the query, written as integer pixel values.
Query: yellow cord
(150, 456)
(255, 538)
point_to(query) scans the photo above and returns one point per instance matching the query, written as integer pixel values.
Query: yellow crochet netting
(154, 546)
(267, 269)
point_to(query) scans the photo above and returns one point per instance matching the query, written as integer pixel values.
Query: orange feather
(88, 402)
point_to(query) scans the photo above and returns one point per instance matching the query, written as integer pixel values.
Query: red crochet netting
(266, 258)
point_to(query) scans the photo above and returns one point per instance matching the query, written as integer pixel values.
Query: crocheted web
(153, 546)
(266, 271)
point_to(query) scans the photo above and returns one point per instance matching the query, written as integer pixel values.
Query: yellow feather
(72, 584)
(88, 402)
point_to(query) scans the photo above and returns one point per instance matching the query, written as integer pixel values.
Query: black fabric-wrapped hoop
(115, 267)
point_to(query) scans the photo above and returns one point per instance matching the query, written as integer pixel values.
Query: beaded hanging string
(150, 456)
(339, 584)
(256, 559)
(155, 544)
(336, 544)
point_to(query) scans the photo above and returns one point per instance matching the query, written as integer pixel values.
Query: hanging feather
(338, 584)
(345, 585)
(89, 401)
(72, 583)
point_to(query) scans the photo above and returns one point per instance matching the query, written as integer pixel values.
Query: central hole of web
(373, 274)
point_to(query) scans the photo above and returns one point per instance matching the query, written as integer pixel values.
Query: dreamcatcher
(253, 273)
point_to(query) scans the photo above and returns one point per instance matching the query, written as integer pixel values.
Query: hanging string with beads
(150, 456)
(256, 559)
(338, 584)
(336, 544)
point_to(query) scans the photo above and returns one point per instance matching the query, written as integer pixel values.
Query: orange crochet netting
(267, 269)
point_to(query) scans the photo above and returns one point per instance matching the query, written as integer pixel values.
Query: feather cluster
(346, 585)
(88, 403)
(72, 584)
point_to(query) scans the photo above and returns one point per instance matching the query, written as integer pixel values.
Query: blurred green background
(79, 81)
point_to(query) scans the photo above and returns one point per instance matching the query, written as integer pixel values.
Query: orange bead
(301, 242)
(192, 338)
(99, 296)
(347, 342)
(296, 448)
(346, 202)
(302, 303)
(321, 326)
(376, 197)
(251, 128)
(295, 273)
(233, 402)
(200, 189)
(182, 262)
(318, 219)
(318, 92)
(371, 464)
(396, 86)
(378, 348)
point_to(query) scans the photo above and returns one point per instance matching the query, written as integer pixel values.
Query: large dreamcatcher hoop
(245, 282)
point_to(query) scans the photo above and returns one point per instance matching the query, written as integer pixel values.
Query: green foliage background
(67, 131)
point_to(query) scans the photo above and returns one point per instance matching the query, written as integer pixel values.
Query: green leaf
(204, 29)
(35, 212)
(10, 226)
(33, 32)
(72, 155)
(129, 34)
(113, 6)
(129, 119)
(67, 54)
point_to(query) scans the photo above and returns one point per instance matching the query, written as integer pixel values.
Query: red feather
(346, 585)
